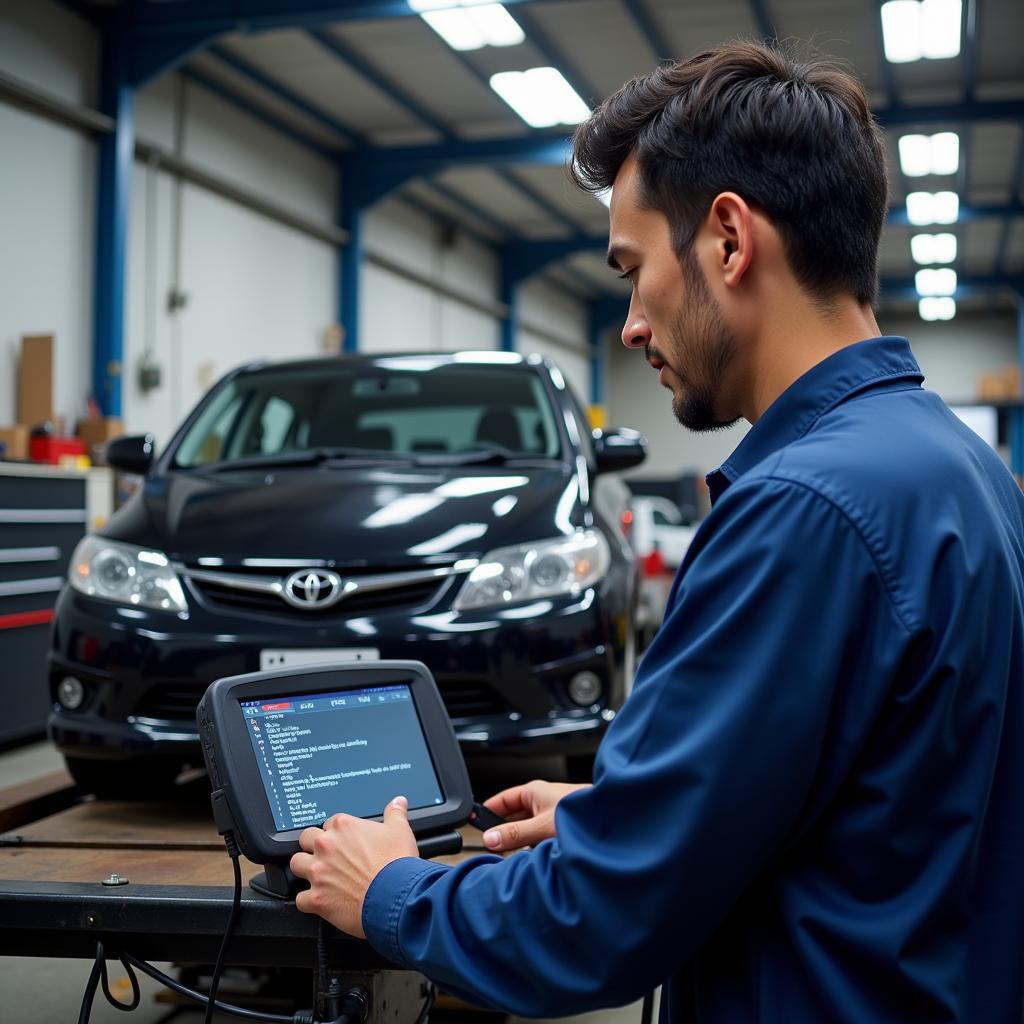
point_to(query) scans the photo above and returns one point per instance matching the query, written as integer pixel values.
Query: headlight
(126, 574)
(525, 572)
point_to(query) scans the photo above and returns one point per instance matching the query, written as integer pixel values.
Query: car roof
(387, 360)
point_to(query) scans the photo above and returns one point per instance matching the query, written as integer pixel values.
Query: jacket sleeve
(748, 708)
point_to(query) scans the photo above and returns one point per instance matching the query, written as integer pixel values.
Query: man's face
(673, 315)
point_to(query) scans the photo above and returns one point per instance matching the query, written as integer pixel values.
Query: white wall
(254, 288)
(951, 354)
(47, 203)
(402, 315)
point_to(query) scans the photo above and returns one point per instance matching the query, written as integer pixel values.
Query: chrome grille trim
(352, 584)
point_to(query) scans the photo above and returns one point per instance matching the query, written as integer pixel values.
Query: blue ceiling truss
(144, 40)
(648, 29)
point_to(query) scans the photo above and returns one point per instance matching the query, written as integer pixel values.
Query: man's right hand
(530, 814)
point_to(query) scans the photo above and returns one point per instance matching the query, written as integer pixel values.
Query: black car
(453, 508)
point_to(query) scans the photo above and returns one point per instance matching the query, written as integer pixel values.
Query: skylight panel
(470, 24)
(540, 96)
(921, 29)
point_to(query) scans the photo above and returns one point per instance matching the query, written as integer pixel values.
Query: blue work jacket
(811, 807)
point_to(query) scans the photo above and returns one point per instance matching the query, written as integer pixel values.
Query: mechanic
(810, 808)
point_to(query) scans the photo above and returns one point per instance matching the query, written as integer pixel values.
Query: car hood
(349, 516)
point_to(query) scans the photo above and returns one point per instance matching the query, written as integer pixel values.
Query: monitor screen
(346, 751)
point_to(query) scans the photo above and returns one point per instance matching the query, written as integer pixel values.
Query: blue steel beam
(898, 214)
(1016, 185)
(216, 17)
(116, 154)
(537, 199)
(968, 285)
(941, 113)
(1017, 414)
(764, 23)
(645, 25)
(349, 134)
(555, 56)
(471, 208)
(969, 45)
(258, 112)
(342, 51)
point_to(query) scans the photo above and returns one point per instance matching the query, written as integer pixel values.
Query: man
(810, 807)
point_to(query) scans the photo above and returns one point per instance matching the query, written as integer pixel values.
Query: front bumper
(504, 677)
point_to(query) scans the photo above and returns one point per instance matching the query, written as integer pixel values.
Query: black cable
(236, 900)
(116, 1003)
(90, 988)
(98, 978)
(428, 1005)
(191, 993)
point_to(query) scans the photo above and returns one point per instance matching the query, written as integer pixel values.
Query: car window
(660, 519)
(376, 406)
(205, 442)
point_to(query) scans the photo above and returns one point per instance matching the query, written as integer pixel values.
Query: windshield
(374, 410)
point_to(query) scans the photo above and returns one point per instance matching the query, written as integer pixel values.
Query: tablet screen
(345, 751)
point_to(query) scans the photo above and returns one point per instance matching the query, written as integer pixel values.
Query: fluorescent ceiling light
(940, 28)
(935, 282)
(933, 248)
(913, 30)
(929, 154)
(541, 97)
(933, 207)
(935, 307)
(469, 24)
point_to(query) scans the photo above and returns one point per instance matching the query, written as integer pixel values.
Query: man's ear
(732, 231)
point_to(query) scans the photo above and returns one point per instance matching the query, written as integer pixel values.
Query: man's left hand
(341, 859)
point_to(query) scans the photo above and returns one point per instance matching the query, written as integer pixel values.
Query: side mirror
(618, 449)
(133, 454)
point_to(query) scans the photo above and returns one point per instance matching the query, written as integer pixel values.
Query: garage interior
(187, 187)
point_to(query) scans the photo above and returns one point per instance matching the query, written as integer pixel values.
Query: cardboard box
(15, 441)
(993, 387)
(35, 380)
(96, 433)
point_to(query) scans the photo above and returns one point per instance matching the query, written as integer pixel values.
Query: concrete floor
(33, 989)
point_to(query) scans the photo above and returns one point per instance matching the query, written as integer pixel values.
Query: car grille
(375, 590)
(462, 699)
(230, 598)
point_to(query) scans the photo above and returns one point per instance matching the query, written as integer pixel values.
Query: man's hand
(530, 811)
(343, 858)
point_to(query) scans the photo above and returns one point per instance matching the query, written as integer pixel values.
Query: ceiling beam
(764, 23)
(244, 103)
(646, 27)
(941, 113)
(348, 134)
(555, 55)
(898, 215)
(340, 50)
(218, 16)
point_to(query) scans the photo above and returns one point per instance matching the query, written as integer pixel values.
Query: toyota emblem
(313, 589)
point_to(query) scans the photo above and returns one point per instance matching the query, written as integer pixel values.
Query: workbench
(57, 849)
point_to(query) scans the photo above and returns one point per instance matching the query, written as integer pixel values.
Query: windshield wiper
(309, 457)
(480, 457)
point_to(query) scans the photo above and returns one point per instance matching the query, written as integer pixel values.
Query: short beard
(701, 337)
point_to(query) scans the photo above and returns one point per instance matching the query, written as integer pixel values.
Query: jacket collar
(867, 365)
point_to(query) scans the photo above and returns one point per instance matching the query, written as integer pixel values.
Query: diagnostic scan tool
(288, 748)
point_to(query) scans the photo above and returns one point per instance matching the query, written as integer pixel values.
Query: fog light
(70, 693)
(585, 688)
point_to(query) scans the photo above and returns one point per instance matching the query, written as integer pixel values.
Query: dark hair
(795, 137)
